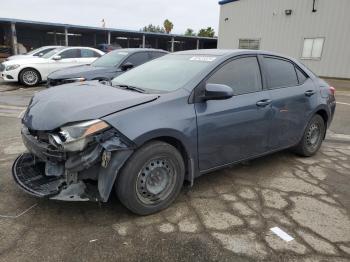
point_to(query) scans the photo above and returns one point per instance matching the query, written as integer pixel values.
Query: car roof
(227, 52)
(134, 50)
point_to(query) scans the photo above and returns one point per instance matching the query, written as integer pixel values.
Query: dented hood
(57, 106)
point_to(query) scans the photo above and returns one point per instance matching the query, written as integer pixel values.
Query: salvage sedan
(169, 121)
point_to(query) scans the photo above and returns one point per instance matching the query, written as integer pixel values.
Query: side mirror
(41, 54)
(217, 92)
(57, 57)
(126, 66)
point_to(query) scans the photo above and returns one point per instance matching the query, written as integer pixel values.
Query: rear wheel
(29, 77)
(312, 138)
(151, 179)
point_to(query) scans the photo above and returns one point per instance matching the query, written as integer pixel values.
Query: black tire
(29, 77)
(312, 138)
(144, 174)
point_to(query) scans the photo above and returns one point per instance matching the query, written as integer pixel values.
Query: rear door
(237, 128)
(293, 98)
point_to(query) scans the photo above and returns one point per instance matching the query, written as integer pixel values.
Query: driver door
(236, 128)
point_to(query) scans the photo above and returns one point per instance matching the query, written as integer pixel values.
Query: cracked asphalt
(225, 216)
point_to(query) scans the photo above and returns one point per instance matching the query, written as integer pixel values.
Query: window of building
(242, 75)
(281, 73)
(312, 48)
(249, 44)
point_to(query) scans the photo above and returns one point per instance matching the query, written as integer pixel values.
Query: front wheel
(29, 77)
(312, 138)
(151, 179)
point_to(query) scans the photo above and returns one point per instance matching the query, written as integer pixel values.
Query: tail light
(332, 89)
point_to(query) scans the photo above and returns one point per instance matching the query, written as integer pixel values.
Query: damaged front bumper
(88, 175)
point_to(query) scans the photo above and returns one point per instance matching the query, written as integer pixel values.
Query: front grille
(29, 173)
(2, 67)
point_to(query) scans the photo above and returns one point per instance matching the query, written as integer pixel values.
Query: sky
(122, 14)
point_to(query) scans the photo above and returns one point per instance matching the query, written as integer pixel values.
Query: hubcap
(313, 136)
(30, 77)
(155, 181)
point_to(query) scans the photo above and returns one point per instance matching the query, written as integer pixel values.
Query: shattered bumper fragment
(49, 171)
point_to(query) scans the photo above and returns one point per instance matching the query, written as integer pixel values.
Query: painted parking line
(342, 103)
(12, 111)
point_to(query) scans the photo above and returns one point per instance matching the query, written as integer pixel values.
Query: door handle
(309, 92)
(263, 103)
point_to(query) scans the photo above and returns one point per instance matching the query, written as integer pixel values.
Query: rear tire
(312, 138)
(29, 77)
(151, 179)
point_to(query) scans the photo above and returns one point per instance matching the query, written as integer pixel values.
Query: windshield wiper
(133, 88)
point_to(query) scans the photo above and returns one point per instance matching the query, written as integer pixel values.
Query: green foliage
(190, 32)
(153, 29)
(206, 32)
(168, 26)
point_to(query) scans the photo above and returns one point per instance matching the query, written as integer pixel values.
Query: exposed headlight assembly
(12, 67)
(75, 137)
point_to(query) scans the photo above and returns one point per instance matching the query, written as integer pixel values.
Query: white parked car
(31, 71)
(34, 53)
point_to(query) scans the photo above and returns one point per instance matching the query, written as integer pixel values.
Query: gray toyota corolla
(166, 122)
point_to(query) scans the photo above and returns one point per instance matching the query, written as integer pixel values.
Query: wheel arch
(29, 67)
(180, 143)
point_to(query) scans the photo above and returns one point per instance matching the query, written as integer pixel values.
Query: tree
(153, 29)
(206, 32)
(190, 32)
(168, 26)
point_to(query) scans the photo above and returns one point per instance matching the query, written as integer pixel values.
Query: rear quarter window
(281, 73)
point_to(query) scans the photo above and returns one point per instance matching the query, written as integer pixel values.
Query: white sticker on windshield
(122, 53)
(203, 58)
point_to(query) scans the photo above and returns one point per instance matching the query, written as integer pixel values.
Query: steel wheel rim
(313, 136)
(155, 181)
(30, 77)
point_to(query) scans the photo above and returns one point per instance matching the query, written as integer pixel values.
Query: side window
(71, 53)
(85, 53)
(155, 55)
(138, 58)
(242, 75)
(301, 76)
(281, 73)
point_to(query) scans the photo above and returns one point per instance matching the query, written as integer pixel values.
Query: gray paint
(266, 20)
(214, 133)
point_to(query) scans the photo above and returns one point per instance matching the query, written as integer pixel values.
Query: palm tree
(168, 26)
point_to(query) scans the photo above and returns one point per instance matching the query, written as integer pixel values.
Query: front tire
(151, 179)
(312, 138)
(29, 77)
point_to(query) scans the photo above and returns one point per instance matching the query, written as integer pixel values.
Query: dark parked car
(169, 120)
(108, 47)
(106, 67)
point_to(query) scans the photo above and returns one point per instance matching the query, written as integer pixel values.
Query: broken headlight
(75, 137)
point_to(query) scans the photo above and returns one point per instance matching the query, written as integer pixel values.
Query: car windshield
(110, 59)
(165, 74)
(52, 53)
(34, 51)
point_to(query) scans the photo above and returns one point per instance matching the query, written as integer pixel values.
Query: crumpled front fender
(107, 175)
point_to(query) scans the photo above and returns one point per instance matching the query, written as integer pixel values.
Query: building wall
(266, 20)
